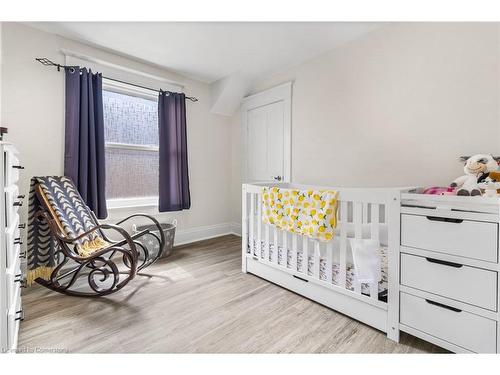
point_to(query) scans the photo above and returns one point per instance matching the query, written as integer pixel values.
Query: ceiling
(211, 51)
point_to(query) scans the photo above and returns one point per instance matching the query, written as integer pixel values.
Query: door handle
(277, 178)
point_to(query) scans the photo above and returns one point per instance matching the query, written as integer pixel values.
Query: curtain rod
(46, 62)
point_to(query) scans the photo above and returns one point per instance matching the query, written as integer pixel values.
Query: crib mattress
(350, 270)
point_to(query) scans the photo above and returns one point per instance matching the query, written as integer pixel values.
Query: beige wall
(33, 108)
(393, 108)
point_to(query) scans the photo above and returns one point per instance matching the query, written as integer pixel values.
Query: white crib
(323, 272)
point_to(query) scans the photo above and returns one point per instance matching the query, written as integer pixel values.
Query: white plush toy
(476, 169)
(490, 188)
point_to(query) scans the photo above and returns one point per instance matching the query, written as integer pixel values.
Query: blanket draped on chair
(312, 213)
(72, 218)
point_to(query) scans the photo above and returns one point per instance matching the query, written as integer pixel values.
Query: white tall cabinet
(11, 277)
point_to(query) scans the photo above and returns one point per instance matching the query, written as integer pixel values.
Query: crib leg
(393, 222)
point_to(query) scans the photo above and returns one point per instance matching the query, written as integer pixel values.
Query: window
(131, 141)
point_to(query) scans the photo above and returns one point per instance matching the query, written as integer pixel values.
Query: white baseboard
(236, 229)
(205, 232)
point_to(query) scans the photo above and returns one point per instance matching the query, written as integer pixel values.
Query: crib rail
(362, 214)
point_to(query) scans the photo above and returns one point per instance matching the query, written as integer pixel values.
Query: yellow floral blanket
(312, 213)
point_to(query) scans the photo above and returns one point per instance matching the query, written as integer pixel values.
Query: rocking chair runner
(69, 251)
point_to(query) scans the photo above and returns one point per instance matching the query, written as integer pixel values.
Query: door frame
(275, 94)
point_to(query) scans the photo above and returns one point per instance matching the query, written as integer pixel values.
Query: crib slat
(284, 257)
(259, 226)
(343, 244)
(294, 252)
(365, 212)
(358, 234)
(375, 234)
(358, 220)
(266, 243)
(251, 224)
(305, 255)
(316, 264)
(329, 262)
(375, 231)
(357, 286)
(275, 241)
(374, 291)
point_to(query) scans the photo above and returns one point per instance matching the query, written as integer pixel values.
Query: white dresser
(11, 277)
(449, 287)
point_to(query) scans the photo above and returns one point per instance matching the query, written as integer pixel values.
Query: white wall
(33, 109)
(396, 107)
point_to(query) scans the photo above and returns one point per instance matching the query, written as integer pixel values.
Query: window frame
(127, 89)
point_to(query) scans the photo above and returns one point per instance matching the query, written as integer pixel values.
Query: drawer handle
(443, 306)
(20, 196)
(21, 317)
(18, 204)
(23, 255)
(22, 226)
(18, 241)
(17, 167)
(301, 279)
(444, 219)
(444, 263)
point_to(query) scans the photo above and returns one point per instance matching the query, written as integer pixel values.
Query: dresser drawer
(459, 282)
(14, 316)
(14, 279)
(13, 242)
(466, 238)
(12, 204)
(12, 166)
(461, 328)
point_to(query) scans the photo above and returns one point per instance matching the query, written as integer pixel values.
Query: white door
(267, 133)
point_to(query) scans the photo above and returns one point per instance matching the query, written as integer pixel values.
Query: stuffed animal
(491, 182)
(438, 190)
(490, 187)
(476, 169)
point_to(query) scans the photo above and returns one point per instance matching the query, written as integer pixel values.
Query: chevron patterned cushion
(71, 213)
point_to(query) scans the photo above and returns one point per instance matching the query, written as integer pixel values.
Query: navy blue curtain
(84, 137)
(174, 180)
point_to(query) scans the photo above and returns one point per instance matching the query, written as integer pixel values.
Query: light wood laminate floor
(199, 301)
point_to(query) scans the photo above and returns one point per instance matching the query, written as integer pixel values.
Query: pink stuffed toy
(437, 190)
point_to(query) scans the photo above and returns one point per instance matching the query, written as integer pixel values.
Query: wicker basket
(151, 243)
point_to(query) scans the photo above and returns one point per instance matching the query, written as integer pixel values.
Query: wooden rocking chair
(86, 261)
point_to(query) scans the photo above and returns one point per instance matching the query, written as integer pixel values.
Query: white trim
(186, 236)
(105, 63)
(135, 202)
(282, 93)
(236, 229)
(128, 89)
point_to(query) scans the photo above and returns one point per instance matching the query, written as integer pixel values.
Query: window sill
(118, 203)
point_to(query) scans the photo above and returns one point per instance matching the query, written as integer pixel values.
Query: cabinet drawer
(14, 316)
(12, 166)
(12, 204)
(464, 329)
(471, 239)
(459, 282)
(14, 278)
(13, 242)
